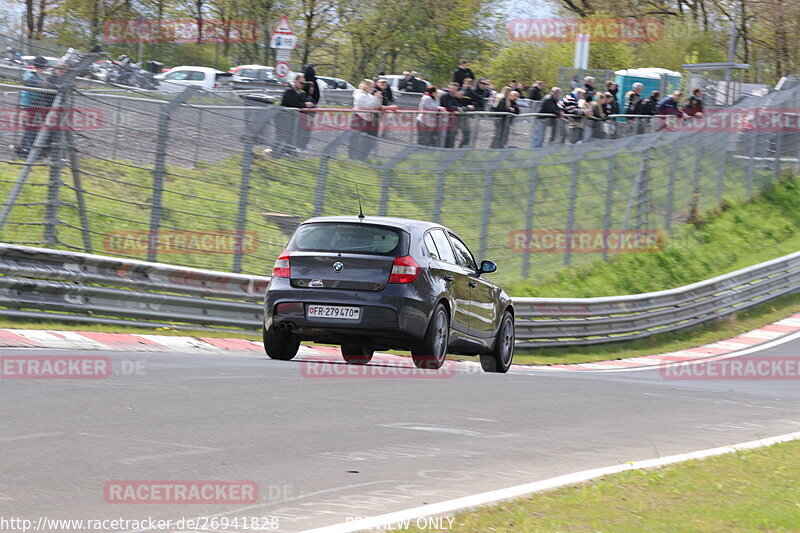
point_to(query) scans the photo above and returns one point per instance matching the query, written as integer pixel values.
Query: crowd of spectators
(587, 111)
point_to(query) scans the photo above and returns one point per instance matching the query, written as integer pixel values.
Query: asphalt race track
(325, 449)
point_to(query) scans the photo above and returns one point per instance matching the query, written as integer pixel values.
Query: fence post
(694, 201)
(160, 168)
(488, 192)
(451, 156)
(573, 197)
(322, 173)
(751, 163)
(778, 150)
(533, 186)
(196, 136)
(254, 123)
(77, 182)
(673, 162)
(386, 178)
(721, 175)
(53, 202)
(612, 163)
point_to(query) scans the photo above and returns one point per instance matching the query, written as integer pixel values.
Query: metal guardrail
(38, 283)
(42, 284)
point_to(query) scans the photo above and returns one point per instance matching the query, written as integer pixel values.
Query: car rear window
(349, 238)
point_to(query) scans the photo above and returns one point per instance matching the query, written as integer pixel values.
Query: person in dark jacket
(484, 89)
(462, 72)
(613, 88)
(694, 105)
(506, 102)
(588, 86)
(551, 107)
(473, 98)
(402, 85)
(453, 103)
(298, 124)
(310, 85)
(670, 109)
(415, 84)
(535, 92)
(33, 104)
(388, 102)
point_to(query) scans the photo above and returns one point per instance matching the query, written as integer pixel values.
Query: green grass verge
(753, 490)
(736, 235)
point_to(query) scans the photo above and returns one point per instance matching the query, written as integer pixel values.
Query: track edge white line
(517, 491)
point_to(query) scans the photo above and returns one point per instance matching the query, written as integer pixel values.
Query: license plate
(333, 311)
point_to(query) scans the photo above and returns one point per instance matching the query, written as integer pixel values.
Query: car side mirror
(487, 267)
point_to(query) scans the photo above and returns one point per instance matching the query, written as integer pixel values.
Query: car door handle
(448, 278)
(472, 283)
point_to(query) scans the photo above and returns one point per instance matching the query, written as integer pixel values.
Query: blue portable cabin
(653, 79)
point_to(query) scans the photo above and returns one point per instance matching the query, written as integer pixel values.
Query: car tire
(431, 352)
(499, 359)
(356, 354)
(280, 345)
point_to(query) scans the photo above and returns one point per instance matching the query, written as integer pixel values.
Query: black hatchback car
(377, 283)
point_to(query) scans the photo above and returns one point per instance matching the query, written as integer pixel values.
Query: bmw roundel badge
(338, 266)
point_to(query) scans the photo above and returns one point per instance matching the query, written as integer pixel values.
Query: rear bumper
(395, 317)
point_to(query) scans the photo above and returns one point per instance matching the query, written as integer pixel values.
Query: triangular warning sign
(283, 26)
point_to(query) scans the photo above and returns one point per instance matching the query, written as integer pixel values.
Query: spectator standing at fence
(575, 113)
(613, 89)
(632, 97)
(473, 97)
(402, 85)
(462, 72)
(505, 102)
(33, 105)
(535, 92)
(484, 90)
(298, 124)
(599, 116)
(551, 107)
(588, 86)
(428, 119)
(310, 85)
(694, 105)
(388, 103)
(669, 107)
(415, 84)
(454, 105)
(367, 100)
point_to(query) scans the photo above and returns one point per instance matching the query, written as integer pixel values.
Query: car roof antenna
(360, 210)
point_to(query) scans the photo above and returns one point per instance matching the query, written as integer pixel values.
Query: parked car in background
(209, 79)
(375, 283)
(257, 76)
(335, 83)
(394, 81)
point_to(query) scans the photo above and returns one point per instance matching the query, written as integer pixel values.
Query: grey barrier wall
(151, 179)
(38, 283)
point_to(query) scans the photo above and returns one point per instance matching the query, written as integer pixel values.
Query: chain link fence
(203, 180)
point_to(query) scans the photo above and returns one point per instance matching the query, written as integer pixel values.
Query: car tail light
(281, 268)
(291, 308)
(404, 270)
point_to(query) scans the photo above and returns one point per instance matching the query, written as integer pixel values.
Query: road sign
(283, 26)
(282, 54)
(281, 69)
(284, 41)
